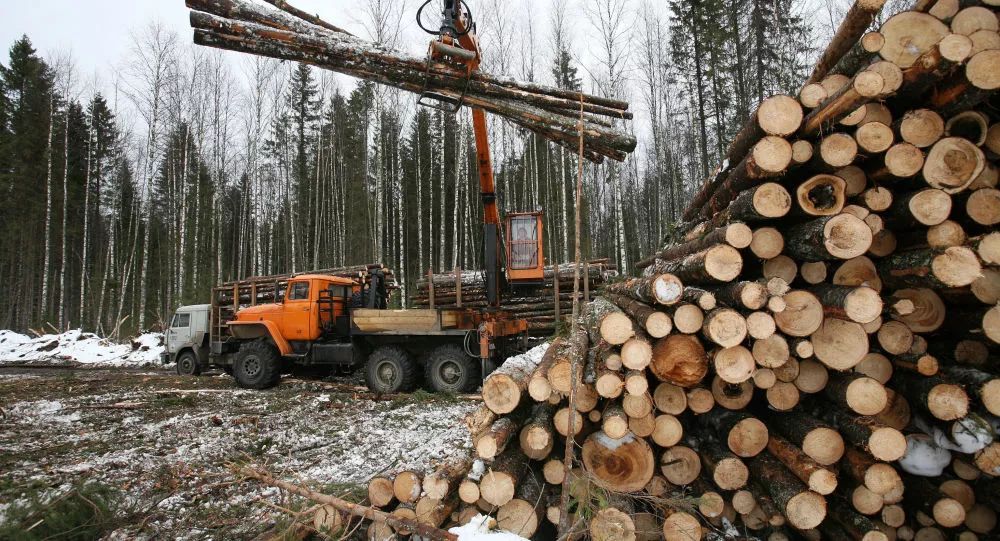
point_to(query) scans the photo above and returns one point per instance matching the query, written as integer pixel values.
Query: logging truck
(259, 328)
(318, 319)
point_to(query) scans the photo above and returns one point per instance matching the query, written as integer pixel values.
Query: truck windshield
(299, 291)
(180, 321)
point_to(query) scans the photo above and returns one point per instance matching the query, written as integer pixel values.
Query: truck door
(179, 333)
(299, 323)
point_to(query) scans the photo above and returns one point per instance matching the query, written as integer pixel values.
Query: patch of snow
(78, 347)
(923, 457)
(44, 411)
(483, 528)
(610, 443)
(668, 290)
(526, 361)
(478, 469)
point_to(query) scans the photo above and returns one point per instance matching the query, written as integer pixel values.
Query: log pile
(847, 356)
(543, 306)
(286, 33)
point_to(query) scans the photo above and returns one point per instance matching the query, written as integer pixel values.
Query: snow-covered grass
(76, 347)
(167, 450)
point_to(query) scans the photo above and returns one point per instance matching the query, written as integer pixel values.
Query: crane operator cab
(525, 254)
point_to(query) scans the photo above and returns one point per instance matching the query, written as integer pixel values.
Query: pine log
(879, 477)
(605, 321)
(680, 465)
(703, 299)
(687, 318)
(851, 29)
(667, 431)
(864, 87)
(818, 478)
(908, 35)
(725, 327)
(952, 164)
(770, 158)
(943, 400)
(802, 316)
(855, 525)
(504, 388)
(832, 237)
(612, 524)
(728, 470)
(834, 152)
(745, 435)
(874, 138)
(498, 484)
(380, 491)
(445, 479)
(742, 294)
(859, 393)
(803, 508)
(407, 486)
(737, 235)
(622, 465)
(771, 352)
(952, 267)
(561, 373)
(821, 195)
(537, 435)
(494, 441)
(399, 523)
(664, 289)
(733, 364)
(720, 263)
(861, 304)
(670, 398)
(434, 512)
(680, 360)
(939, 63)
(983, 385)
(924, 495)
(776, 115)
(817, 440)
(879, 440)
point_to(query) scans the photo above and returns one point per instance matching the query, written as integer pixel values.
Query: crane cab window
(523, 242)
(339, 292)
(181, 321)
(298, 291)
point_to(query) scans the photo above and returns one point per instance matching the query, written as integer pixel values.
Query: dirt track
(161, 443)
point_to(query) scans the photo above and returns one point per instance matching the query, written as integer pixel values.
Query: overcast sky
(98, 32)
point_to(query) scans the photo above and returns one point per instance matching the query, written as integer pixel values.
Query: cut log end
(846, 236)
(779, 115)
(748, 437)
(887, 444)
(948, 402)
(824, 445)
(806, 510)
(957, 266)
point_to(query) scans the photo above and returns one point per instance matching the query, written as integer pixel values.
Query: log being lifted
(244, 26)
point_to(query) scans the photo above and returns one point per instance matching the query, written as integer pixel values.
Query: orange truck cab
(264, 327)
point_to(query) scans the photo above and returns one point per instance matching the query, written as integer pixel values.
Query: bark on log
(818, 478)
(819, 441)
(737, 235)
(664, 289)
(803, 508)
(936, 269)
(720, 263)
(498, 484)
(853, 26)
(828, 238)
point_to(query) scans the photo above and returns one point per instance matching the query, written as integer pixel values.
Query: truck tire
(258, 365)
(390, 369)
(450, 370)
(188, 365)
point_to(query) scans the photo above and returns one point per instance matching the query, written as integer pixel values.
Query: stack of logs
(543, 306)
(814, 355)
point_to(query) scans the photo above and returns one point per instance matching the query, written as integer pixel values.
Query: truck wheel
(188, 365)
(450, 370)
(258, 365)
(390, 369)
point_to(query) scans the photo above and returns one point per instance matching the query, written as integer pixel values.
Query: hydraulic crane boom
(457, 43)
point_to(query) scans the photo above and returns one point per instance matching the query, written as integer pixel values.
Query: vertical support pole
(586, 283)
(430, 287)
(555, 285)
(458, 287)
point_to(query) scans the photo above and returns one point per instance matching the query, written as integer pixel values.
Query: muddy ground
(159, 444)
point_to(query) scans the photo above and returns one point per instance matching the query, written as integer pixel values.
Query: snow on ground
(484, 528)
(78, 347)
(167, 450)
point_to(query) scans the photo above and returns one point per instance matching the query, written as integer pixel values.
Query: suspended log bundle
(287, 34)
(860, 391)
(543, 306)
